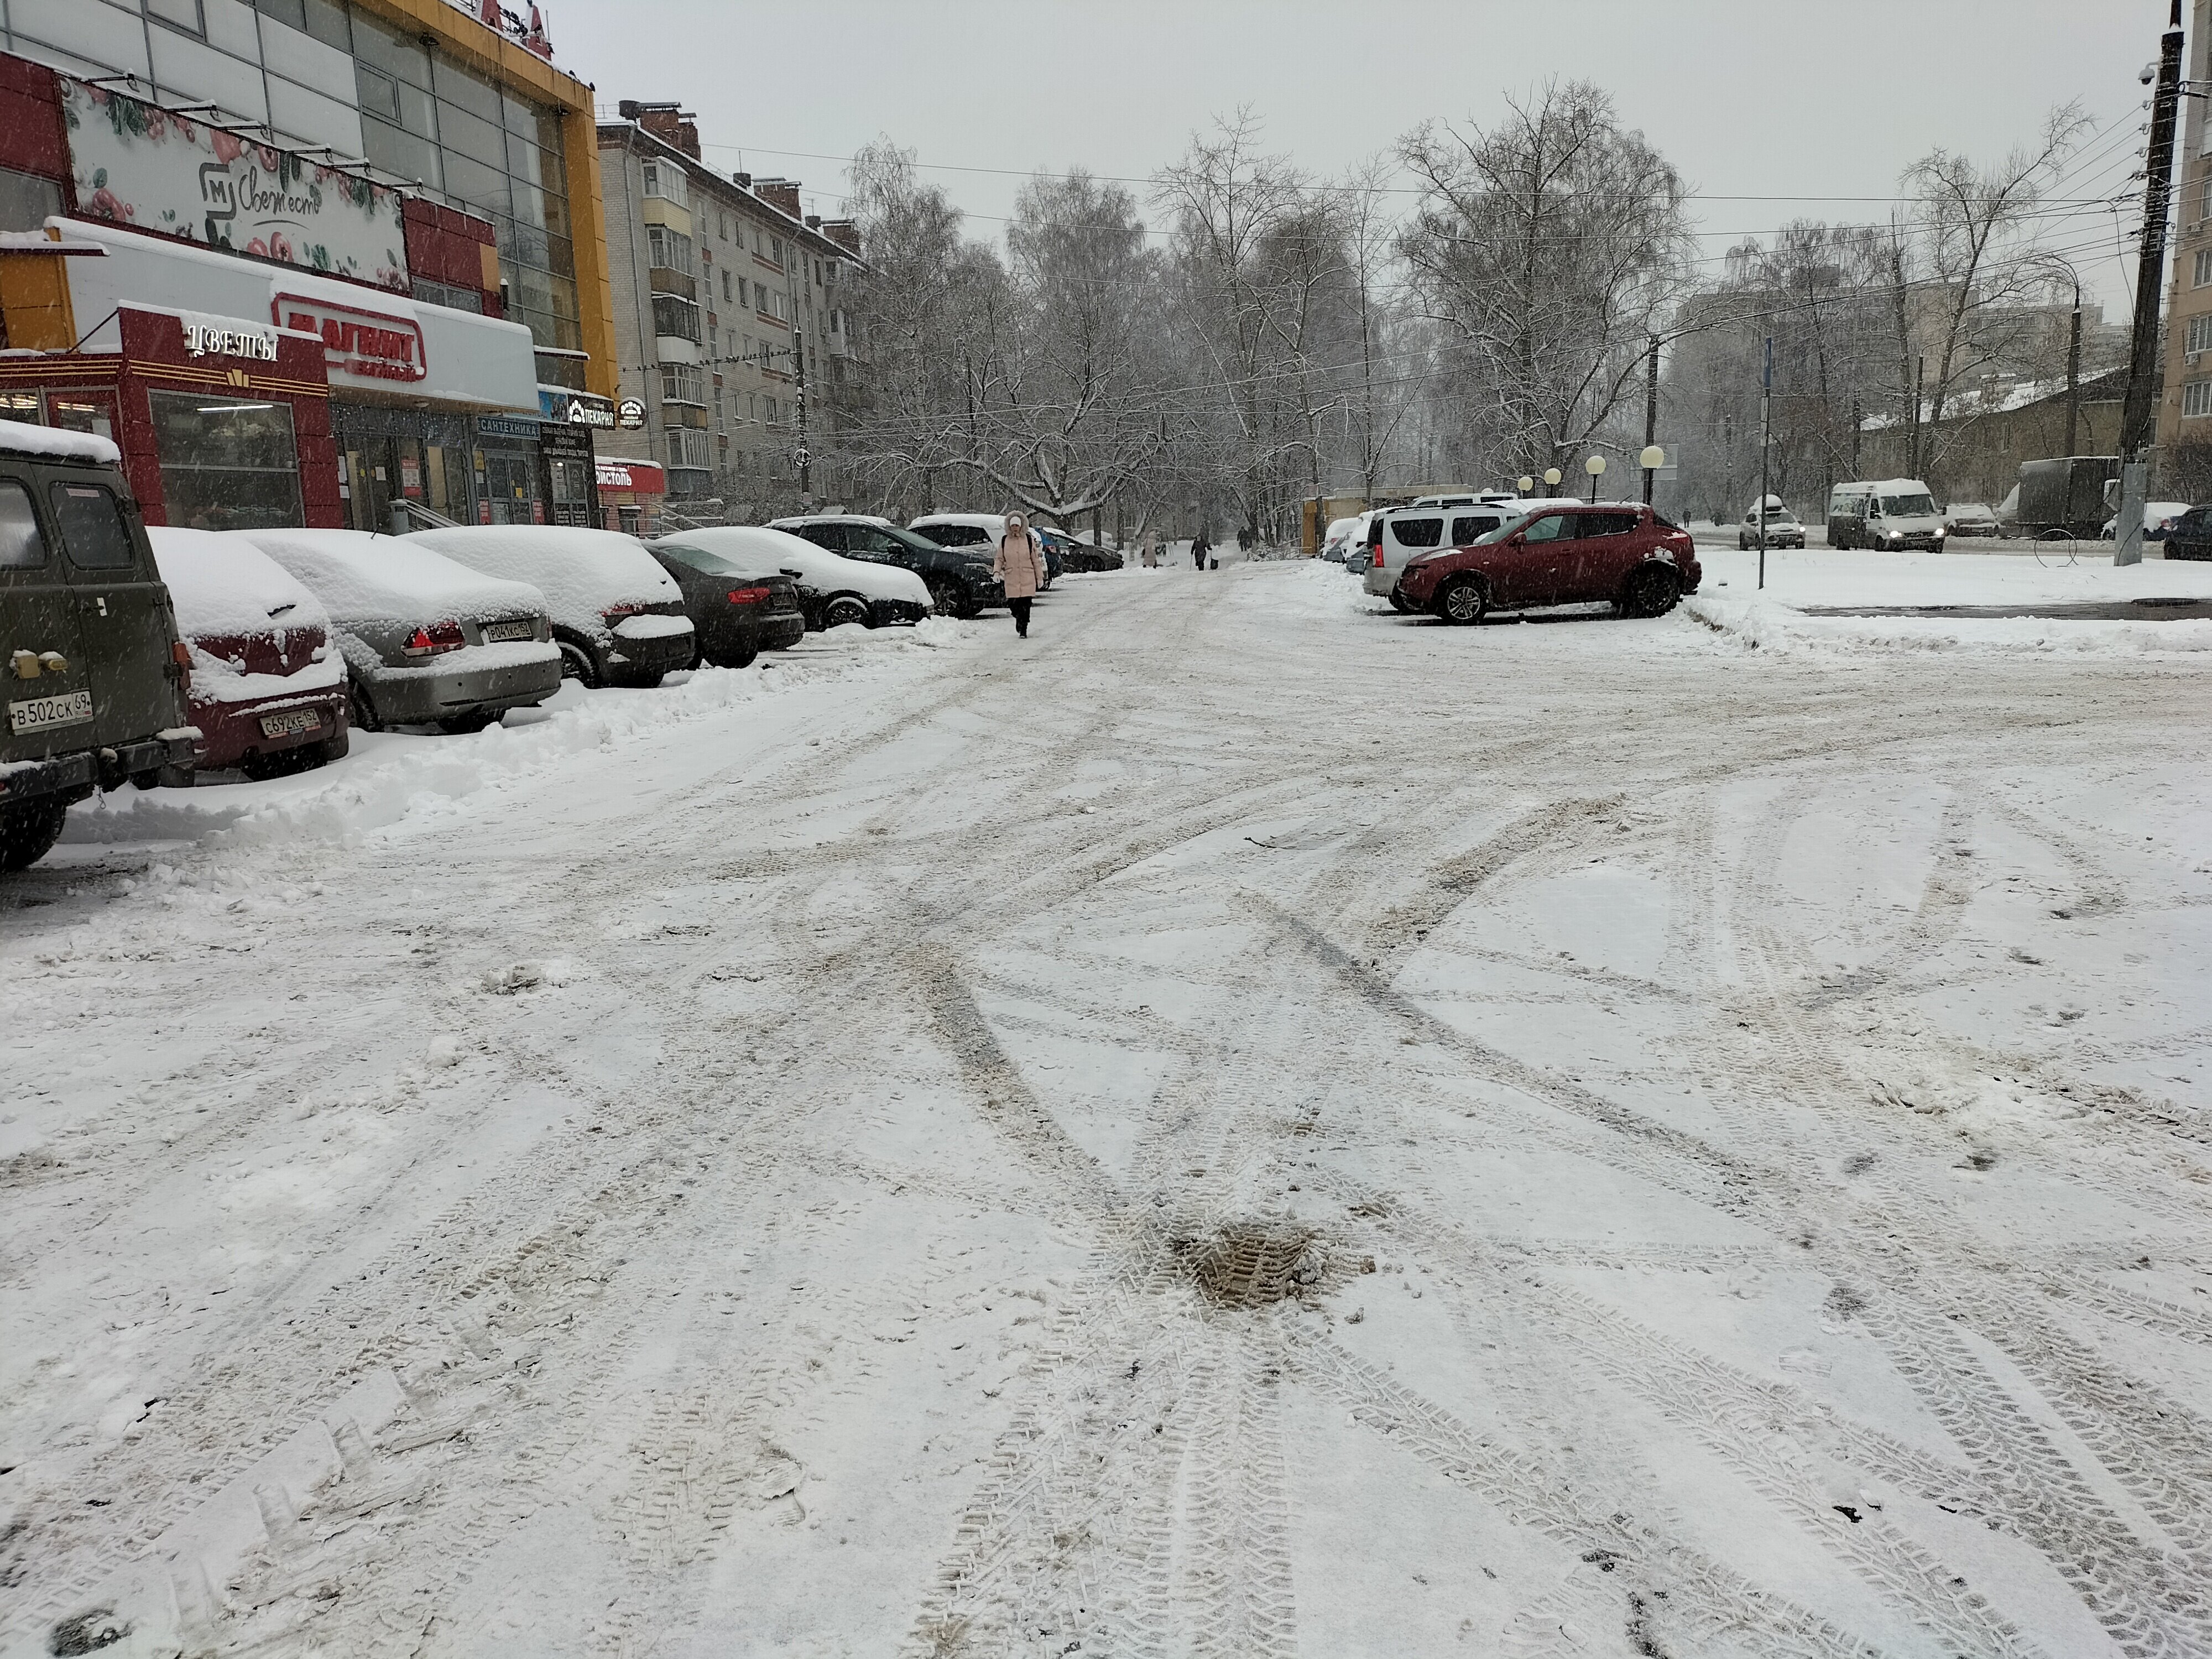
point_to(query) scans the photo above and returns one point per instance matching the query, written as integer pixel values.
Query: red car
(269, 685)
(1612, 550)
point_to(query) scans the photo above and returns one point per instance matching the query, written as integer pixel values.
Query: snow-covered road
(1237, 1126)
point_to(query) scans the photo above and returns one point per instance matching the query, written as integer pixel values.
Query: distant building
(1973, 454)
(730, 322)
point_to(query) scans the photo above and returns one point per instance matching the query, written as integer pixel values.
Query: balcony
(665, 279)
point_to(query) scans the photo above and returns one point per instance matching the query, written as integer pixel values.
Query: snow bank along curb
(1767, 624)
(377, 790)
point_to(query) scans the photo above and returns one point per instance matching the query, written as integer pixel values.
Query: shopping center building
(356, 242)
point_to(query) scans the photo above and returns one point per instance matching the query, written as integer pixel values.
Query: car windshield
(1921, 506)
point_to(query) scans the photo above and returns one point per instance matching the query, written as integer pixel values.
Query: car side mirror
(788, 571)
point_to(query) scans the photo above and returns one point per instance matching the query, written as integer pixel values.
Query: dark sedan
(2190, 537)
(736, 615)
(959, 579)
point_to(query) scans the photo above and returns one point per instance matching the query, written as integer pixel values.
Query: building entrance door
(513, 480)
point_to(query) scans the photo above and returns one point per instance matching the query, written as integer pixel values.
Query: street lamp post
(1650, 460)
(1595, 467)
(1527, 483)
(1552, 476)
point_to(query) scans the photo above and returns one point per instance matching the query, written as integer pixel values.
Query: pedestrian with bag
(1199, 545)
(1019, 566)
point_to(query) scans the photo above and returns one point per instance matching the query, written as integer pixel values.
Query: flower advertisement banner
(144, 168)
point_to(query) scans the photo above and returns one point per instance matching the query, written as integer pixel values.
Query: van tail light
(181, 655)
(437, 637)
(749, 596)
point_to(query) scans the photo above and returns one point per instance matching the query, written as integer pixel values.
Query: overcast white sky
(1789, 102)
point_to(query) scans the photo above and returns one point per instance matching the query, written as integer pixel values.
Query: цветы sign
(138, 165)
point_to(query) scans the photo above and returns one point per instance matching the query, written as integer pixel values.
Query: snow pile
(1765, 624)
(580, 572)
(54, 444)
(362, 578)
(760, 551)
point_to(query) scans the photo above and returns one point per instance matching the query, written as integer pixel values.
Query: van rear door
(38, 629)
(122, 616)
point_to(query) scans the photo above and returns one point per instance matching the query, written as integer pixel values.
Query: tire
(459, 725)
(334, 749)
(1652, 591)
(1399, 602)
(363, 707)
(651, 681)
(579, 665)
(949, 599)
(28, 831)
(743, 658)
(846, 609)
(1464, 601)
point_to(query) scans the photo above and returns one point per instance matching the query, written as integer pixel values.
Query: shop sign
(630, 414)
(589, 414)
(138, 165)
(370, 345)
(575, 408)
(631, 474)
(226, 338)
(505, 426)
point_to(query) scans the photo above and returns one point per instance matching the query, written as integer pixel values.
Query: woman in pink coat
(1020, 566)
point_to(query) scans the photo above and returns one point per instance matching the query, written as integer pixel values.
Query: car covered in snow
(1338, 537)
(95, 673)
(1970, 518)
(736, 612)
(978, 529)
(425, 640)
(618, 616)
(833, 590)
(959, 579)
(269, 683)
(2159, 520)
(1562, 553)
(1783, 526)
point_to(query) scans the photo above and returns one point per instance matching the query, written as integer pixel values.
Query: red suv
(1615, 551)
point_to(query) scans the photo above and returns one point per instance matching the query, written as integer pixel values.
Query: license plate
(283, 726)
(37, 713)
(495, 632)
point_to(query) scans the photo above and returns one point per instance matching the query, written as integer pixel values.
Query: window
(2202, 273)
(665, 182)
(726, 286)
(178, 13)
(676, 318)
(669, 249)
(1552, 527)
(1465, 530)
(325, 20)
(1418, 532)
(2200, 332)
(445, 294)
(91, 526)
(27, 200)
(687, 448)
(2197, 398)
(776, 252)
(227, 462)
(22, 546)
(683, 382)
(1612, 524)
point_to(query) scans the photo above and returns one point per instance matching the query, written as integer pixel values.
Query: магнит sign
(367, 345)
(141, 165)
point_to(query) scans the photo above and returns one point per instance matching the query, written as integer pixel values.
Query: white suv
(1397, 534)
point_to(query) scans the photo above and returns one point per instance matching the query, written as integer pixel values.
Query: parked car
(736, 614)
(1619, 551)
(983, 529)
(2192, 535)
(618, 616)
(1338, 538)
(1783, 529)
(96, 675)
(1888, 514)
(269, 685)
(1399, 533)
(425, 640)
(833, 590)
(1076, 554)
(959, 579)
(2159, 520)
(1970, 518)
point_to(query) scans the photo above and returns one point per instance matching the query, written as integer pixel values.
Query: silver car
(427, 640)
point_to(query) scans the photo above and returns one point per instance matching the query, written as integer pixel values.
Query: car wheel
(845, 610)
(946, 600)
(333, 749)
(743, 658)
(28, 831)
(1652, 591)
(577, 665)
(1463, 601)
(1398, 603)
(363, 706)
(476, 720)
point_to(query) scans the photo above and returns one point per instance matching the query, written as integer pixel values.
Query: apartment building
(730, 328)
(412, 181)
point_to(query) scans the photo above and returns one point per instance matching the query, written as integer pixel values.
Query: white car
(425, 640)
(2158, 519)
(618, 616)
(1338, 538)
(1397, 534)
(974, 530)
(833, 590)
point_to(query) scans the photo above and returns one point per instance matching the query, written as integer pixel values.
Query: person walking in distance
(1198, 547)
(1020, 566)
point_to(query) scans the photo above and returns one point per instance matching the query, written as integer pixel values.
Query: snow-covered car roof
(219, 584)
(53, 443)
(364, 577)
(1338, 526)
(580, 572)
(764, 552)
(988, 520)
(830, 518)
(1957, 507)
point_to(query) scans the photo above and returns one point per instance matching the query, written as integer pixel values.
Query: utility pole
(1651, 410)
(2074, 373)
(2137, 414)
(805, 456)
(1766, 435)
(1919, 383)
